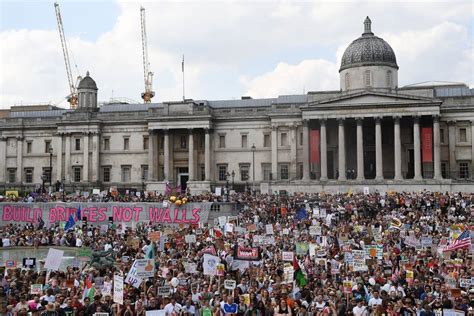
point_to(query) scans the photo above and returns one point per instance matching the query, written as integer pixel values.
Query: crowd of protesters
(417, 259)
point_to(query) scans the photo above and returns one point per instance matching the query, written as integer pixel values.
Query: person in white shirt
(172, 308)
(360, 309)
(375, 300)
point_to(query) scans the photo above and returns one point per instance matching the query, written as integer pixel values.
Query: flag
(182, 65)
(463, 241)
(299, 276)
(150, 251)
(88, 290)
(301, 214)
(41, 223)
(79, 214)
(70, 223)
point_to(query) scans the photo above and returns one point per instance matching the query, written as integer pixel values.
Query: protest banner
(287, 256)
(210, 264)
(99, 213)
(247, 253)
(157, 312)
(118, 289)
(145, 268)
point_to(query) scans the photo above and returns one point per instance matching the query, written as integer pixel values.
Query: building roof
(87, 83)
(368, 50)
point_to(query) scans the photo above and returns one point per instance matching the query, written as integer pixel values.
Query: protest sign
(190, 239)
(190, 268)
(36, 289)
(154, 236)
(302, 248)
(269, 229)
(230, 284)
(287, 256)
(247, 253)
(118, 289)
(220, 269)
(53, 259)
(29, 263)
(10, 264)
(157, 312)
(164, 290)
(145, 268)
(210, 264)
(347, 284)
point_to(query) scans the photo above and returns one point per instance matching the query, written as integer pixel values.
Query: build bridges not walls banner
(99, 213)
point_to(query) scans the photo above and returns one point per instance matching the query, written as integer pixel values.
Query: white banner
(145, 268)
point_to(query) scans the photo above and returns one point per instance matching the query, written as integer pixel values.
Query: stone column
(19, 158)
(306, 162)
(397, 148)
(67, 158)
(207, 154)
(378, 149)
(360, 150)
(324, 151)
(452, 149)
(151, 156)
(59, 157)
(436, 149)
(85, 159)
(166, 155)
(417, 148)
(342, 151)
(95, 157)
(472, 150)
(293, 143)
(274, 152)
(191, 156)
(3, 159)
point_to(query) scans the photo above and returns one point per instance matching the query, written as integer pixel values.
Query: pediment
(373, 98)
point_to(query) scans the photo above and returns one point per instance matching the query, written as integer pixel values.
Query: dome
(368, 50)
(87, 83)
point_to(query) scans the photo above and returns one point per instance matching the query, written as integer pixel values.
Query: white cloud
(236, 47)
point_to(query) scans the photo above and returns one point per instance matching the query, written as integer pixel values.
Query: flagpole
(182, 69)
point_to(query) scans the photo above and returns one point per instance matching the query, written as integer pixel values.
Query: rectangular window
(106, 174)
(126, 173)
(463, 170)
(244, 141)
(267, 171)
(301, 139)
(47, 174)
(222, 170)
(444, 169)
(441, 135)
(145, 142)
(244, 172)
(107, 143)
(47, 146)
(29, 175)
(126, 143)
(267, 141)
(221, 141)
(462, 135)
(11, 175)
(284, 172)
(77, 143)
(183, 141)
(144, 172)
(77, 173)
(283, 139)
(29, 145)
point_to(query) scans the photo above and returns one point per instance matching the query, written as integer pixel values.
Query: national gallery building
(369, 134)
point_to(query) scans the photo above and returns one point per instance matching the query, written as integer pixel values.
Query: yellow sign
(11, 193)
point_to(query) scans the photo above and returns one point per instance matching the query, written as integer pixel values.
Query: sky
(231, 48)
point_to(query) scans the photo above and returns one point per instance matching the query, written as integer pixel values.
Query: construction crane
(72, 97)
(147, 74)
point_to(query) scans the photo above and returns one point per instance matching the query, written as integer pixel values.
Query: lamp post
(233, 175)
(227, 186)
(253, 168)
(42, 180)
(50, 150)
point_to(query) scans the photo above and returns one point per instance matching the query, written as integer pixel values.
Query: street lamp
(233, 175)
(50, 150)
(253, 168)
(227, 186)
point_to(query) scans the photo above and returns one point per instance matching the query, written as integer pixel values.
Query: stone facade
(367, 134)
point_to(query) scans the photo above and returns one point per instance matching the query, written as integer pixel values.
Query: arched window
(368, 78)
(389, 79)
(348, 81)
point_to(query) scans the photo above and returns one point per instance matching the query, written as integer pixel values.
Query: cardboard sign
(230, 284)
(145, 268)
(36, 289)
(164, 291)
(154, 236)
(53, 260)
(287, 256)
(220, 269)
(210, 264)
(190, 239)
(118, 289)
